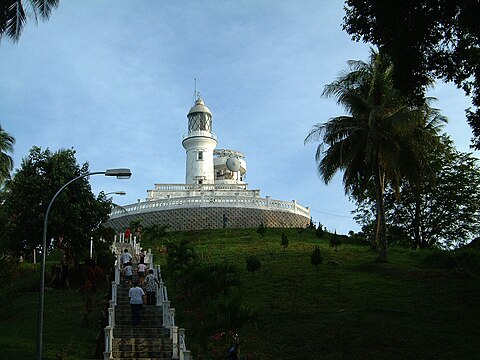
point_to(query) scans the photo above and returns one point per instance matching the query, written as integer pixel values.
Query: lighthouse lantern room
(199, 144)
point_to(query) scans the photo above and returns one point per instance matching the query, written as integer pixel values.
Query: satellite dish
(233, 164)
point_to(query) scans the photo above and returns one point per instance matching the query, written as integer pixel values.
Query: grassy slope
(358, 309)
(64, 335)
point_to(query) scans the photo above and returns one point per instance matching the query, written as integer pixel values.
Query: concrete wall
(212, 218)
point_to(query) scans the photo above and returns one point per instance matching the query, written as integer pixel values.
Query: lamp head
(119, 173)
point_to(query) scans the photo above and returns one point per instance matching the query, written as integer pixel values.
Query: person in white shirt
(126, 257)
(141, 269)
(128, 273)
(136, 296)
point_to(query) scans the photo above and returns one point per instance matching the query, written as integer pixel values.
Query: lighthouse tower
(199, 144)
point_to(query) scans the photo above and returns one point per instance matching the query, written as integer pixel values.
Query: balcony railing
(211, 201)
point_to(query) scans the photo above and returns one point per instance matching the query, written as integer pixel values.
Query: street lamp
(116, 193)
(120, 174)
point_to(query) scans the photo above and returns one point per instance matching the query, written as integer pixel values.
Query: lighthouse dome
(199, 107)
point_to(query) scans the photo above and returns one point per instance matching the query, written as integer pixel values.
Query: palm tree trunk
(416, 225)
(381, 236)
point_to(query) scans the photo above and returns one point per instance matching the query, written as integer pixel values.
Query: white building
(214, 194)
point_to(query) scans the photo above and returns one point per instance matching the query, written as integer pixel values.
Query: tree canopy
(6, 148)
(74, 215)
(381, 139)
(424, 39)
(442, 212)
(14, 15)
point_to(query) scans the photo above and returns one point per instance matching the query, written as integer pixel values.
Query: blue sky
(114, 79)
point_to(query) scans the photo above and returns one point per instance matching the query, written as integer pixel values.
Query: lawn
(67, 335)
(352, 308)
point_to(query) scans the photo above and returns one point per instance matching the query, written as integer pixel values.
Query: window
(200, 155)
(200, 181)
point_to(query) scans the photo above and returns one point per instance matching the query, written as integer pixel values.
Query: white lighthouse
(215, 193)
(199, 144)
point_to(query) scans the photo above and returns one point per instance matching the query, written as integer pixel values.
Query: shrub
(316, 258)
(253, 264)
(284, 241)
(320, 232)
(440, 259)
(261, 230)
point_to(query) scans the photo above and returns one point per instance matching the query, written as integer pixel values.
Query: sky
(115, 79)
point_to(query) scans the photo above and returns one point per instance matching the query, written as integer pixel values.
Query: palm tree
(378, 142)
(6, 162)
(14, 14)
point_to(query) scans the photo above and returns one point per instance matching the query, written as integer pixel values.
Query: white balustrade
(107, 355)
(174, 337)
(208, 200)
(114, 292)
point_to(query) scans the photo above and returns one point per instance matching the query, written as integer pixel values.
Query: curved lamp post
(120, 174)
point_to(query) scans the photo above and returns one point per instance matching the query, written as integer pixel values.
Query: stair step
(147, 340)
(142, 355)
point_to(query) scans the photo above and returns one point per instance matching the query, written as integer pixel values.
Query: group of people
(144, 289)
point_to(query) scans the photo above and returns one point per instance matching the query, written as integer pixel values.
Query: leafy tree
(236, 312)
(155, 232)
(6, 162)
(180, 257)
(284, 240)
(136, 227)
(319, 232)
(316, 258)
(424, 38)
(261, 230)
(379, 142)
(443, 212)
(334, 241)
(253, 264)
(311, 225)
(74, 215)
(14, 14)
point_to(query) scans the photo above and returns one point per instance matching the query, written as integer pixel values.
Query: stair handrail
(168, 319)
(107, 354)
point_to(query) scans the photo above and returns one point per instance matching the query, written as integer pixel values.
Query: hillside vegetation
(419, 305)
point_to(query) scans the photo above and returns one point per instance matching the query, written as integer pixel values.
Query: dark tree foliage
(14, 15)
(74, 214)
(316, 258)
(284, 240)
(253, 264)
(261, 230)
(180, 257)
(334, 241)
(425, 39)
(319, 232)
(155, 232)
(441, 211)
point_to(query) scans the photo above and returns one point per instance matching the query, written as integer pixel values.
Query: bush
(449, 260)
(440, 259)
(316, 258)
(319, 232)
(253, 264)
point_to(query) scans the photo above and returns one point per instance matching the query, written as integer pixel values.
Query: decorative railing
(107, 354)
(177, 336)
(210, 201)
(189, 187)
(202, 133)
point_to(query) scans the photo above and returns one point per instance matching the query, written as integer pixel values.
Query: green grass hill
(419, 305)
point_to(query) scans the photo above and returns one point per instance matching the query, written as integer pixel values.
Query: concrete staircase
(148, 340)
